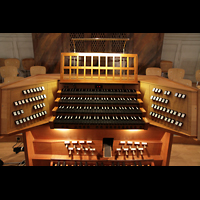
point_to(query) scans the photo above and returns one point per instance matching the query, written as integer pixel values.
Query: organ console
(98, 112)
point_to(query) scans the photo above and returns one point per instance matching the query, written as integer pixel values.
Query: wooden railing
(99, 67)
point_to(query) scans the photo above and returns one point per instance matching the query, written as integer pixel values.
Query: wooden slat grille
(99, 67)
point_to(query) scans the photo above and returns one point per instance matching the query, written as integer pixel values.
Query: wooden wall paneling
(65, 38)
(130, 43)
(47, 49)
(48, 46)
(88, 44)
(148, 46)
(159, 48)
(108, 44)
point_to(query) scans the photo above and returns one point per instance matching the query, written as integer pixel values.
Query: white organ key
(129, 142)
(118, 150)
(144, 144)
(66, 143)
(126, 150)
(141, 151)
(133, 149)
(70, 149)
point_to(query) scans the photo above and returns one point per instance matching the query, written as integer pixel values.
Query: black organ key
(103, 120)
(100, 109)
(100, 100)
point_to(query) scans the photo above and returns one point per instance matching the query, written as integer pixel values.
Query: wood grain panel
(148, 46)
(47, 49)
(48, 46)
(187, 105)
(13, 92)
(50, 144)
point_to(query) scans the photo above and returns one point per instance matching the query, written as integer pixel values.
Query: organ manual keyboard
(88, 107)
(97, 113)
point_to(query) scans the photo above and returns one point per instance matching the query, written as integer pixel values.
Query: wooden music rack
(99, 67)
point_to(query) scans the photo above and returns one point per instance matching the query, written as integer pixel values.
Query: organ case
(130, 131)
(98, 118)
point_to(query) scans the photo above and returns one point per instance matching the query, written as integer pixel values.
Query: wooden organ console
(98, 112)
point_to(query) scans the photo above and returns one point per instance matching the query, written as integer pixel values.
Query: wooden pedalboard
(141, 162)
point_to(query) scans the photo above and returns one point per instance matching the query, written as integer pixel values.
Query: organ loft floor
(181, 154)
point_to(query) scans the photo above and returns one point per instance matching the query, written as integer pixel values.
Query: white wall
(183, 49)
(16, 45)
